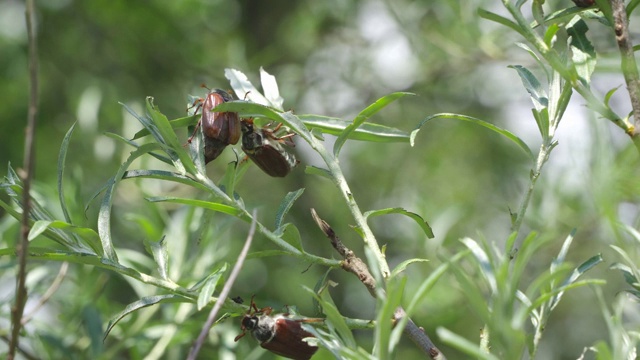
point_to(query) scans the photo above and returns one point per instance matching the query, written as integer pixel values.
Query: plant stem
(543, 156)
(628, 65)
(29, 159)
(340, 181)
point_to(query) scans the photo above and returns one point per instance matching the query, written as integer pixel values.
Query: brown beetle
(219, 128)
(266, 150)
(279, 333)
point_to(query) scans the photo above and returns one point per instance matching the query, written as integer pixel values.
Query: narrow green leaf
(605, 7)
(476, 121)
(536, 11)
(334, 318)
(175, 124)
(582, 51)
(431, 280)
(176, 150)
(286, 205)
(104, 214)
(482, 258)
(560, 17)
(142, 303)
(577, 272)
(163, 175)
(162, 124)
(628, 260)
(417, 218)
(314, 170)
(460, 343)
(501, 20)
(559, 96)
(147, 122)
(38, 228)
(156, 155)
(57, 236)
(541, 65)
(291, 235)
(87, 235)
(226, 209)
(158, 125)
(542, 120)
(510, 244)
(92, 322)
(562, 255)
(210, 286)
(267, 253)
(533, 87)
(403, 265)
(366, 132)
(609, 94)
(228, 181)
(520, 264)
(101, 262)
(363, 116)
(160, 255)
(631, 6)
(550, 34)
(321, 285)
(627, 273)
(555, 295)
(62, 156)
(385, 309)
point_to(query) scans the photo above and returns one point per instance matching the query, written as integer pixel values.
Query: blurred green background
(332, 58)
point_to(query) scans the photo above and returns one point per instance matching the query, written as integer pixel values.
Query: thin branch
(49, 293)
(22, 351)
(29, 159)
(225, 291)
(356, 266)
(628, 61)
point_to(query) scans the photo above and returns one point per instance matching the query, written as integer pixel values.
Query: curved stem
(340, 181)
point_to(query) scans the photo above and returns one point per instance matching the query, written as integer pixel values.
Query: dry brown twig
(195, 349)
(27, 176)
(359, 268)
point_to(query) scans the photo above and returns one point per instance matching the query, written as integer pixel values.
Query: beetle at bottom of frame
(279, 333)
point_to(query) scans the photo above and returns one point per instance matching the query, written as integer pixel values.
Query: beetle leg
(277, 127)
(198, 105)
(244, 332)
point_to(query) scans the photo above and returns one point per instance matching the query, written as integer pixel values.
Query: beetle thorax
(265, 329)
(252, 141)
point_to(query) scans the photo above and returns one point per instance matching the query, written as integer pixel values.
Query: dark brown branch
(27, 175)
(628, 63)
(356, 266)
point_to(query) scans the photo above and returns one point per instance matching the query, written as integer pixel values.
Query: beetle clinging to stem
(279, 333)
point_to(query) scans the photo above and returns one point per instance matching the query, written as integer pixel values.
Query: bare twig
(628, 63)
(225, 291)
(22, 351)
(49, 293)
(29, 158)
(356, 266)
